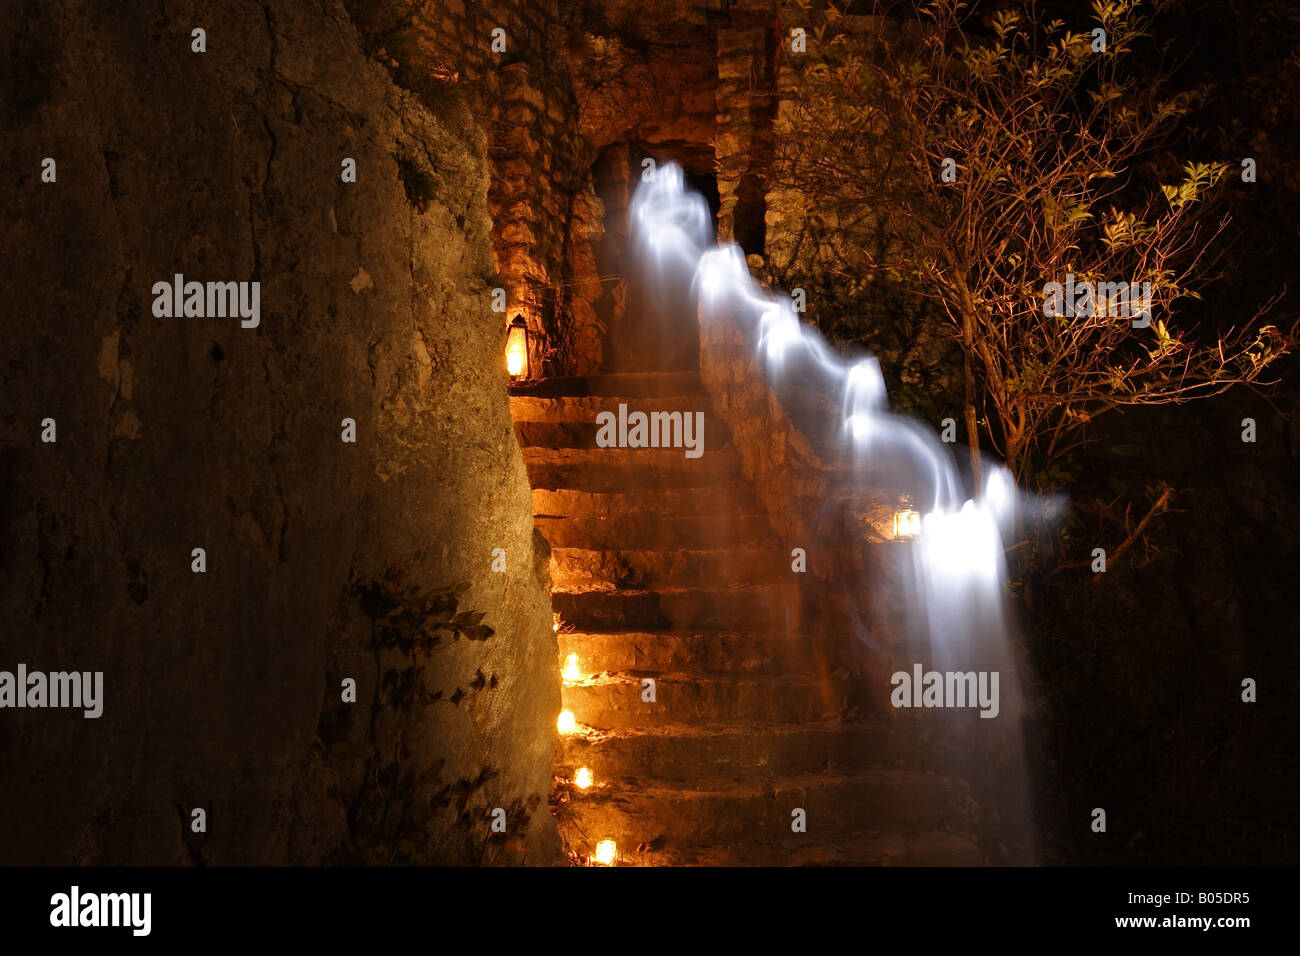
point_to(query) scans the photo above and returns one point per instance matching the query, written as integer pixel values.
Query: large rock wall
(325, 560)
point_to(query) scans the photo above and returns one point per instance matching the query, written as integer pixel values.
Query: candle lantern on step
(606, 852)
(572, 674)
(566, 724)
(517, 349)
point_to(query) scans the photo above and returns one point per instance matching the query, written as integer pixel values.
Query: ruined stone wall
(510, 59)
(324, 560)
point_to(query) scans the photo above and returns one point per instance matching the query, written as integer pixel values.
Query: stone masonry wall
(784, 469)
(510, 58)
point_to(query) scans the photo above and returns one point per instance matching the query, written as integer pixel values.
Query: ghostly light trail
(675, 225)
(946, 557)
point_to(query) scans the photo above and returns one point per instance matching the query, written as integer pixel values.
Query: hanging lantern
(517, 349)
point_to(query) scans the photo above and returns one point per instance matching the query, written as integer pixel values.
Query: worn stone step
(585, 434)
(585, 408)
(678, 609)
(720, 461)
(736, 496)
(686, 752)
(737, 653)
(864, 848)
(584, 569)
(682, 532)
(756, 811)
(625, 384)
(614, 701)
(629, 469)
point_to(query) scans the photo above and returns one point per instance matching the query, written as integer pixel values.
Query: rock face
(325, 560)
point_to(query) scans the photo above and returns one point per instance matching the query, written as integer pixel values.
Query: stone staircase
(665, 568)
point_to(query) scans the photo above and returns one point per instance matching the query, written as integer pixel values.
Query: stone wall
(818, 244)
(694, 81)
(519, 82)
(325, 560)
(787, 473)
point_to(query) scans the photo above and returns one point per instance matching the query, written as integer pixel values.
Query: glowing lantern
(566, 724)
(571, 672)
(606, 851)
(517, 349)
(907, 524)
(583, 778)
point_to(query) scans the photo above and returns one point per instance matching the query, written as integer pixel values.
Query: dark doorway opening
(647, 327)
(706, 184)
(751, 215)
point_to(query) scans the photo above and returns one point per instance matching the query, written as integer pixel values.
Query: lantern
(583, 778)
(566, 724)
(606, 852)
(571, 673)
(517, 349)
(907, 524)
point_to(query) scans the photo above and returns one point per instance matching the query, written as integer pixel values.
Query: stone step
(862, 848)
(685, 752)
(737, 653)
(659, 532)
(673, 502)
(587, 569)
(751, 720)
(584, 435)
(625, 384)
(629, 469)
(613, 701)
(679, 609)
(756, 811)
(529, 409)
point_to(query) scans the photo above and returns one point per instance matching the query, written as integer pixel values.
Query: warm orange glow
(515, 361)
(606, 851)
(571, 672)
(517, 350)
(907, 524)
(566, 724)
(583, 778)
